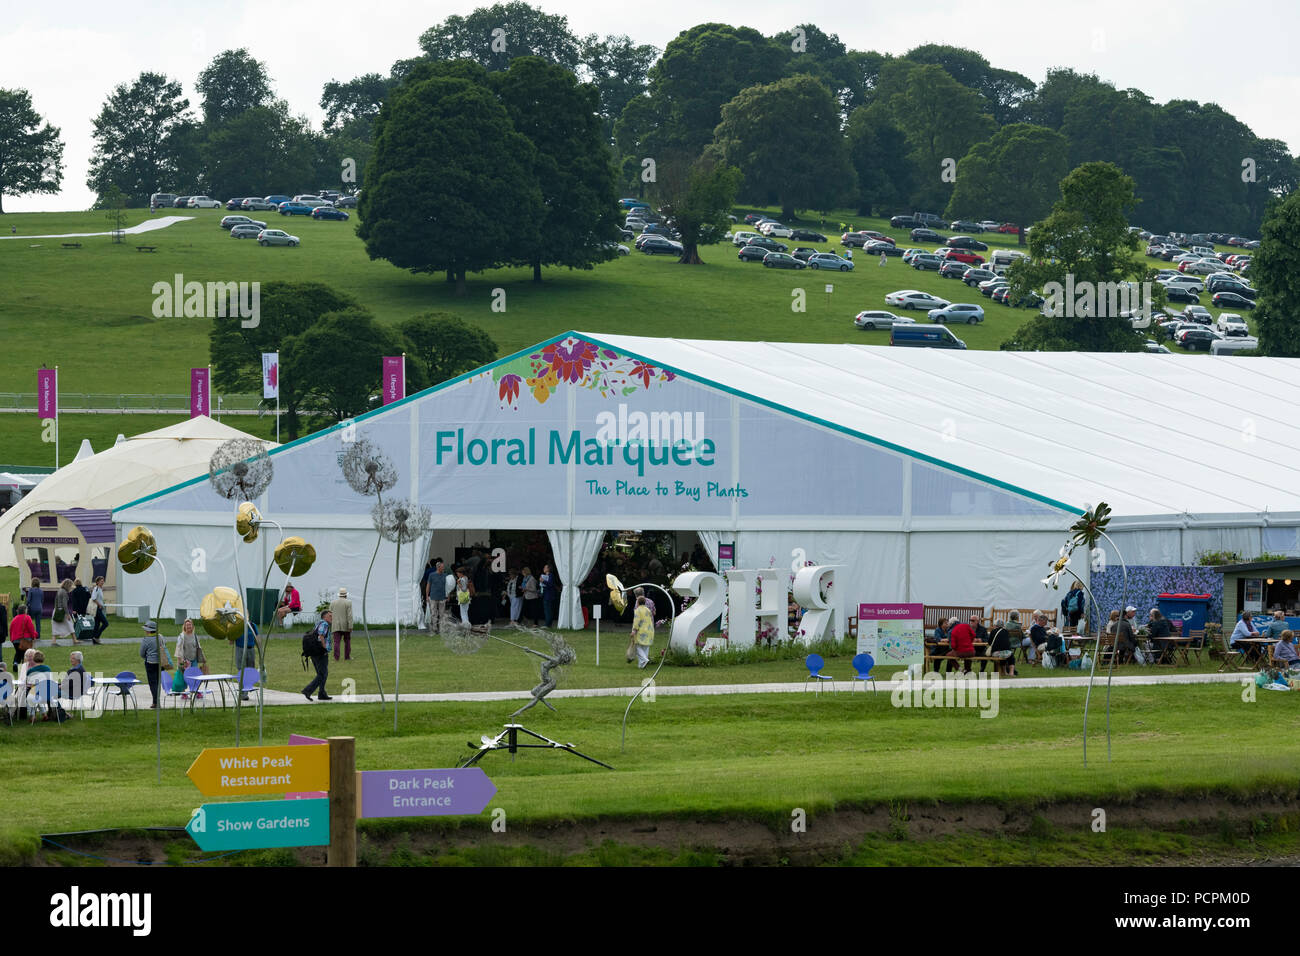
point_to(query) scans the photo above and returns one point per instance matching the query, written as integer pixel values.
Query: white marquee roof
(1151, 435)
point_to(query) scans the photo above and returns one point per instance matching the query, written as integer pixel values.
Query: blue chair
(862, 665)
(249, 680)
(43, 697)
(192, 675)
(126, 681)
(814, 663)
(7, 699)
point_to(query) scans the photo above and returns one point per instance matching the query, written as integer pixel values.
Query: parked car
(1231, 300)
(1008, 228)
(277, 199)
(203, 202)
(159, 200)
(328, 212)
(346, 202)
(228, 222)
(803, 252)
(902, 222)
(988, 288)
(258, 205)
(1198, 339)
(771, 245)
(989, 225)
(660, 245)
(859, 239)
(961, 255)
(965, 225)
(974, 275)
(871, 320)
(913, 299)
(958, 312)
(295, 208)
(1156, 348)
(1232, 323)
(1199, 314)
(276, 237)
(927, 262)
(829, 260)
(1232, 285)
(781, 260)
(924, 336)
(743, 238)
(233, 204)
(807, 235)
(952, 269)
(247, 230)
(927, 235)
(776, 230)
(753, 254)
(966, 242)
(181, 202)
(754, 217)
(1177, 293)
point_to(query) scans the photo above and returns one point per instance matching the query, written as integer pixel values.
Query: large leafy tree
(524, 31)
(1003, 90)
(641, 132)
(139, 146)
(1084, 243)
(811, 51)
(440, 346)
(1275, 271)
(618, 68)
(1015, 175)
(696, 196)
(1047, 105)
(337, 362)
(285, 309)
(701, 69)
(261, 150)
(31, 154)
(571, 163)
(878, 152)
(450, 186)
(232, 83)
(786, 138)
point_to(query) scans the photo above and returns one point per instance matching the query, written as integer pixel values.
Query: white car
(740, 239)
(203, 202)
(276, 237)
(872, 320)
(1230, 323)
(988, 225)
(912, 299)
(1186, 282)
(774, 230)
(1202, 268)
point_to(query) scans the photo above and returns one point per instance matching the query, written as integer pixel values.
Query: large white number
(706, 588)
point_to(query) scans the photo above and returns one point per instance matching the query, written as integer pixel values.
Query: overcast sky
(70, 54)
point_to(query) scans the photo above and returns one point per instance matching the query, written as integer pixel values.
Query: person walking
(643, 632)
(884, 259)
(464, 594)
(435, 590)
(34, 598)
(61, 624)
(532, 605)
(514, 594)
(1072, 604)
(150, 647)
(341, 622)
(320, 658)
(550, 595)
(96, 608)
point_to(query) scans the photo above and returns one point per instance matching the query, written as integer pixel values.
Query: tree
(441, 346)
(1048, 104)
(113, 202)
(618, 68)
(450, 185)
(571, 163)
(493, 36)
(1003, 90)
(1014, 175)
(813, 52)
(285, 309)
(263, 149)
(696, 197)
(31, 155)
(1084, 246)
(231, 84)
(337, 363)
(786, 139)
(136, 144)
(354, 104)
(878, 152)
(640, 133)
(703, 68)
(1275, 271)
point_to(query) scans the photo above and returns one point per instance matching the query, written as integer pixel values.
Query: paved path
(149, 225)
(280, 698)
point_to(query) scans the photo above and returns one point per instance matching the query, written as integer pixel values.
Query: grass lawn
(93, 306)
(758, 756)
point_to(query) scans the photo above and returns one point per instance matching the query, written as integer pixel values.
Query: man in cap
(341, 614)
(150, 645)
(1126, 636)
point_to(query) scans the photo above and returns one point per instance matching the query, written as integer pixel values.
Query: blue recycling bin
(1190, 609)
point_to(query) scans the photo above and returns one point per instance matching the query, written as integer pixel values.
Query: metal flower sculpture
(617, 593)
(369, 471)
(294, 556)
(400, 522)
(222, 614)
(248, 521)
(1085, 533)
(240, 470)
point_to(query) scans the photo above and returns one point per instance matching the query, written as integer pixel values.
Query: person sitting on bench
(961, 637)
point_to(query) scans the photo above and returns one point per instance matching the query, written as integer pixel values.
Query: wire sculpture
(400, 522)
(368, 471)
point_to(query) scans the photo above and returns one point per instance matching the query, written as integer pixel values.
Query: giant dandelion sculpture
(368, 471)
(402, 523)
(239, 471)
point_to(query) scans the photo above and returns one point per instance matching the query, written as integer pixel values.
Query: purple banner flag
(47, 393)
(200, 392)
(394, 378)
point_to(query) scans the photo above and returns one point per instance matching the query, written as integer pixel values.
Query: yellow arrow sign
(235, 771)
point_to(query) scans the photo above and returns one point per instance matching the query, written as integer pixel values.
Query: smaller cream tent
(131, 469)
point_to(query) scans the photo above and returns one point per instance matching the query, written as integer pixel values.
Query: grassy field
(757, 756)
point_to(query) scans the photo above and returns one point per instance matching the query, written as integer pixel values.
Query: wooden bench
(146, 248)
(71, 245)
(936, 614)
(929, 657)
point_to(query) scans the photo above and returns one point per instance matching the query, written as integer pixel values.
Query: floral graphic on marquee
(575, 361)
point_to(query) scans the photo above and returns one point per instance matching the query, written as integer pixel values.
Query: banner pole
(56, 418)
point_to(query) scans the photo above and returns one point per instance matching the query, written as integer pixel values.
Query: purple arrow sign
(424, 793)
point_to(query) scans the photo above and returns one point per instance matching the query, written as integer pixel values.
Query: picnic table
(1254, 648)
(1175, 648)
(71, 245)
(938, 651)
(146, 248)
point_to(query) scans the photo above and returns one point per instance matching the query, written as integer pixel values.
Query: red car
(1008, 227)
(960, 255)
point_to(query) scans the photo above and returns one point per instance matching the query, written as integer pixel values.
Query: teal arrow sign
(259, 824)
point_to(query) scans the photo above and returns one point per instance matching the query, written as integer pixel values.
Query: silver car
(247, 230)
(259, 205)
(276, 237)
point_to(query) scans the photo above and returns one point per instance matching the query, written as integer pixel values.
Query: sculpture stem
(365, 620)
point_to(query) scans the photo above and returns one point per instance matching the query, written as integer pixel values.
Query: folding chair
(250, 680)
(862, 665)
(1233, 659)
(814, 663)
(43, 698)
